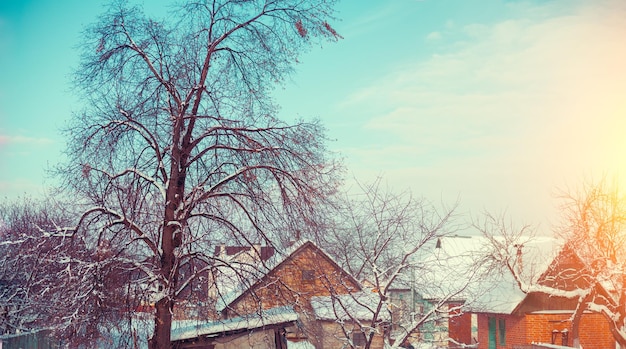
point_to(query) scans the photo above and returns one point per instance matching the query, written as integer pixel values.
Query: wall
(459, 326)
(515, 331)
(594, 329)
(256, 340)
(335, 337)
(538, 327)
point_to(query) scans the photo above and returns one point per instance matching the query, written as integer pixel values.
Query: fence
(31, 340)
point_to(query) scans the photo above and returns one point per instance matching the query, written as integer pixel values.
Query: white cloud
(18, 139)
(519, 105)
(433, 36)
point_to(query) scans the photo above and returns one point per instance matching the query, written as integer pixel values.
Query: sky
(497, 104)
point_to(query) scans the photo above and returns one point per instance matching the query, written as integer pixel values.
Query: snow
(552, 346)
(489, 290)
(183, 330)
(360, 306)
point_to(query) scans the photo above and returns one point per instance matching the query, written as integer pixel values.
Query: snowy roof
(461, 258)
(230, 293)
(274, 316)
(359, 306)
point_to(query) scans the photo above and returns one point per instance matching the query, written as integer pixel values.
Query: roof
(234, 292)
(460, 259)
(274, 316)
(359, 306)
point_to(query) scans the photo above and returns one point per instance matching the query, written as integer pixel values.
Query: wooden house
(303, 278)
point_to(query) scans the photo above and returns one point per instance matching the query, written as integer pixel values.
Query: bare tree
(49, 280)
(178, 147)
(22, 225)
(594, 234)
(384, 239)
(594, 225)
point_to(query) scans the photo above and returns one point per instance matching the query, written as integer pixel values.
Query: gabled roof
(272, 264)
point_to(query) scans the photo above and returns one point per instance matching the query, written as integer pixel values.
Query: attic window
(308, 275)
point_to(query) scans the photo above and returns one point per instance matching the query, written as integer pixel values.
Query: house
(506, 317)
(264, 330)
(303, 278)
(541, 318)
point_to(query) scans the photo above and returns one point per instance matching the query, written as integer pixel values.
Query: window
(308, 275)
(358, 339)
(502, 331)
(492, 333)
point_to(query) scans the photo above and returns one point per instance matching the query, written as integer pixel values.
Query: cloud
(433, 36)
(535, 99)
(18, 139)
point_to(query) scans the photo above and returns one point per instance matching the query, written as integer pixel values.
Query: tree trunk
(577, 316)
(161, 339)
(162, 325)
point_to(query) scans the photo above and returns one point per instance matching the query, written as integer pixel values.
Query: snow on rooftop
(459, 259)
(360, 306)
(185, 330)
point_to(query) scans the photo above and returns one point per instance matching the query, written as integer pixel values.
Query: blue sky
(497, 103)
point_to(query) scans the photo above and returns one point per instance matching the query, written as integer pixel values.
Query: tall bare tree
(178, 147)
(383, 239)
(594, 233)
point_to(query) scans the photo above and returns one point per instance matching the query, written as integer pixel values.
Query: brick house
(541, 318)
(303, 278)
(502, 316)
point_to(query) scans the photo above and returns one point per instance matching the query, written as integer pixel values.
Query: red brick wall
(594, 330)
(459, 325)
(515, 331)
